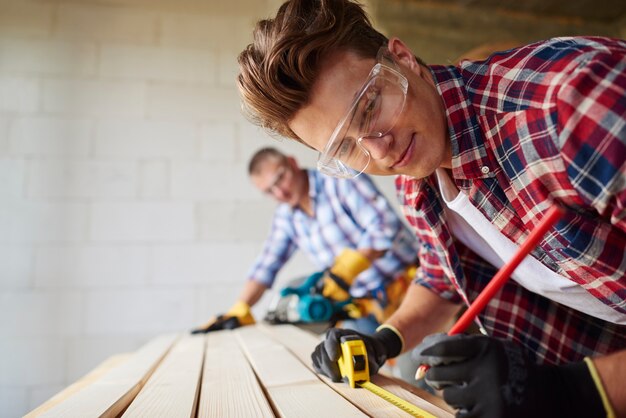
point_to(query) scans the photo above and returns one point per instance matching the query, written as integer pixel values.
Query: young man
(346, 226)
(483, 150)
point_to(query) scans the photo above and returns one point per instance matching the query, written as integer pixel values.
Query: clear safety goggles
(373, 114)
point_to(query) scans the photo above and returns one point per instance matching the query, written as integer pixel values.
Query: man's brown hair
(278, 69)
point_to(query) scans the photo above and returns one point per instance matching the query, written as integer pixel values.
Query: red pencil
(550, 218)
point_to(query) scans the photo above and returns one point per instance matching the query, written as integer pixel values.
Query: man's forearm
(422, 313)
(371, 254)
(252, 292)
(612, 371)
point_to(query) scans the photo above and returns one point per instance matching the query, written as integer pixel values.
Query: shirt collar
(470, 158)
(315, 185)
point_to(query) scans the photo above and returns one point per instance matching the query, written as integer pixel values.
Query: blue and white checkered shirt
(348, 213)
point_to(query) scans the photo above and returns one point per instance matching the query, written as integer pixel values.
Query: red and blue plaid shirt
(532, 127)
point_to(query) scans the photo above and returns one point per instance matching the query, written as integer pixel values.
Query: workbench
(253, 371)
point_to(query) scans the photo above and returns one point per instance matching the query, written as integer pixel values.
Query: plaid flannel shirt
(348, 213)
(539, 125)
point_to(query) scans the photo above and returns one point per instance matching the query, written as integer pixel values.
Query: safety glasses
(277, 179)
(373, 114)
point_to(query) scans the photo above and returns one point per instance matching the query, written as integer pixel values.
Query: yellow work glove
(396, 291)
(348, 264)
(238, 315)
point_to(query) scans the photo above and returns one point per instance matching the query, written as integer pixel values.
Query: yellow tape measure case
(353, 364)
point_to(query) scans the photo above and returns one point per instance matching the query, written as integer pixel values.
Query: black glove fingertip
(332, 344)
(332, 371)
(315, 358)
(231, 323)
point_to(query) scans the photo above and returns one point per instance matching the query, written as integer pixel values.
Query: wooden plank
(272, 362)
(293, 389)
(110, 394)
(313, 399)
(229, 386)
(172, 390)
(414, 395)
(302, 343)
(84, 381)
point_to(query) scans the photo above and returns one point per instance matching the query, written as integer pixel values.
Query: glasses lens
(378, 108)
(276, 180)
(346, 150)
(336, 168)
(390, 105)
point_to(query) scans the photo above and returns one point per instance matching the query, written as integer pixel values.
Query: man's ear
(404, 55)
(293, 164)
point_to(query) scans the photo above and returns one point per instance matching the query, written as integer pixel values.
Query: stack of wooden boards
(254, 371)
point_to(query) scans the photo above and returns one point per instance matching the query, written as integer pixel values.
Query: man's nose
(278, 193)
(377, 146)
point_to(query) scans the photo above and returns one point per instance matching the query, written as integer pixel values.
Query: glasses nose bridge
(276, 191)
(375, 145)
(275, 182)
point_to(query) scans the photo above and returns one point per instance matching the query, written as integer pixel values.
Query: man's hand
(238, 315)
(337, 281)
(488, 377)
(384, 344)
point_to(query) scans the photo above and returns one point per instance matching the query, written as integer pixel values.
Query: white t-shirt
(469, 225)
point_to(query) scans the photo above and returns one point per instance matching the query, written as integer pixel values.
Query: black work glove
(384, 344)
(488, 377)
(238, 315)
(219, 323)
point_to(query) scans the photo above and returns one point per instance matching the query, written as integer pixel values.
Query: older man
(345, 226)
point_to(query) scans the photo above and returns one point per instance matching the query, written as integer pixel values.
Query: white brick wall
(89, 266)
(146, 311)
(214, 141)
(17, 263)
(32, 361)
(81, 179)
(50, 137)
(195, 102)
(40, 313)
(14, 400)
(154, 179)
(143, 139)
(12, 174)
(103, 23)
(30, 221)
(125, 207)
(95, 98)
(4, 135)
(18, 94)
(142, 221)
(157, 63)
(48, 56)
(210, 264)
(26, 18)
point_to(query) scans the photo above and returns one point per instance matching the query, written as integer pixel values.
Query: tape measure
(354, 367)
